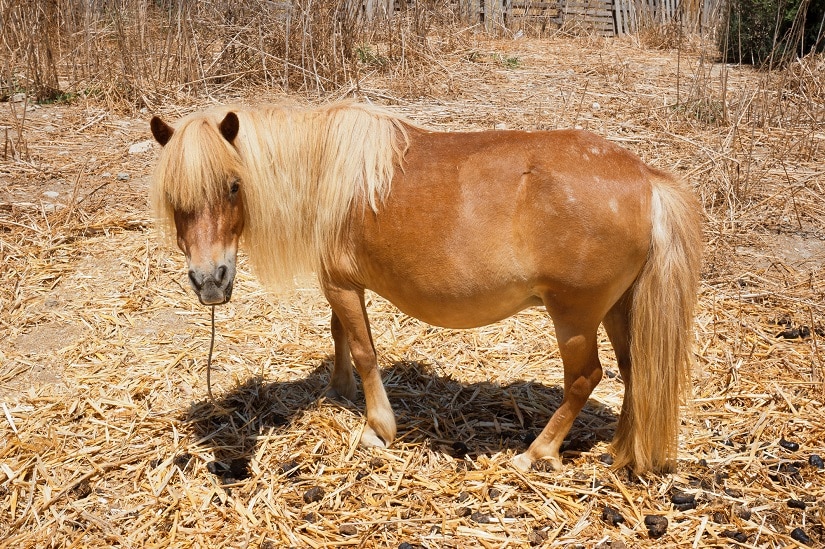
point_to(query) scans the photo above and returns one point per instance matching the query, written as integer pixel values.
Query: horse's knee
(580, 385)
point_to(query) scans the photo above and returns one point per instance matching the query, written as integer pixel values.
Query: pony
(458, 229)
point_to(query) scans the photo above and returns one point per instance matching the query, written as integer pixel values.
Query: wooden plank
(617, 11)
(587, 7)
(554, 12)
(526, 5)
(589, 13)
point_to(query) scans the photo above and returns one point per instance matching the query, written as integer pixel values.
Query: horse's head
(197, 186)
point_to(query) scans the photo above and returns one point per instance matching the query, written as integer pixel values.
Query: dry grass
(132, 54)
(106, 437)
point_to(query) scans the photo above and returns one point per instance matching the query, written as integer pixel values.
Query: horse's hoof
(522, 462)
(555, 463)
(336, 394)
(369, 439)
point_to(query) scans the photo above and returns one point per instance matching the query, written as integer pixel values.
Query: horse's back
(480, 225)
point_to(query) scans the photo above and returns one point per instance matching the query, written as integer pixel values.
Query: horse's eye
(234, 188)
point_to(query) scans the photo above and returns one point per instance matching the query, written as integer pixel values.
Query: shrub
(773, 32)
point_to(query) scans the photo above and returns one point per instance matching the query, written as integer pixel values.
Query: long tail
(661, 335)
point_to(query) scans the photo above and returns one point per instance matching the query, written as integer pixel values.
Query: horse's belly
(460, 311)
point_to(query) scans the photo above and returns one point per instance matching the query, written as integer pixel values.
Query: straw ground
(107, 439)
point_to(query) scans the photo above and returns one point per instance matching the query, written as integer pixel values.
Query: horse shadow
(454, 417)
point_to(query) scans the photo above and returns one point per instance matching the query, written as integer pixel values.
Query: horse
(457, 229)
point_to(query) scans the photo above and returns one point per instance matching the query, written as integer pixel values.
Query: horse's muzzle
(213, 288)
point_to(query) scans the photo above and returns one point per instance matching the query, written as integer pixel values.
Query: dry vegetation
(106, 435)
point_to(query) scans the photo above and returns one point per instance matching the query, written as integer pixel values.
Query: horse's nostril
(220, 274)
(193, 278)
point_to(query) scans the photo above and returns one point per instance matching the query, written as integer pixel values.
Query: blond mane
(301, 171)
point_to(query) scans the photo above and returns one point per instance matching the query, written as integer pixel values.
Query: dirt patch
(47, 338)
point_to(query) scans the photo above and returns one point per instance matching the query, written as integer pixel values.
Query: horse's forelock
(196, 165)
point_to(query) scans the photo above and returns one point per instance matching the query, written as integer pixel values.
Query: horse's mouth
(211, 294)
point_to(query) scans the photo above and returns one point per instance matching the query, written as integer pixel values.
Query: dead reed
(136, 53)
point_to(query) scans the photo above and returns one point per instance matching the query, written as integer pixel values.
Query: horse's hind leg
(352, 326)
(617, 325)
(342, 381)
(582, 372)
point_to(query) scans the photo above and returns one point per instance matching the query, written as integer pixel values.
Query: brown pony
(456, 229)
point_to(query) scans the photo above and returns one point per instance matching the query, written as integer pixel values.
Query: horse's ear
(161, 130)
(229, 126)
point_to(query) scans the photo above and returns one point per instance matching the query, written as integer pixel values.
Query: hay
(107, 438)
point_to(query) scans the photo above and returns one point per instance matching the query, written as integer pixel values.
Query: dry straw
(107, 438)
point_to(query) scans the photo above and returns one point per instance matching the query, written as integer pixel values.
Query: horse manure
(239, 468)
(680, 498)
(464, 512)
(182, 460)
(460, 449)
(481, 518)
(799, 535)
(290, 468)
(516, 512)
(801, 332)
(719, 517)
(82, 490)
(611, 516)
(735, 535)
(405, 545)
(347, 530)
(217, 468)
(656, 525)
(314, 494)
(816, 461)
(310, 517)
(796, 504)
(682, 501)
(605, 458)
(733, 492)
(784, 471)
(741, 511)
(536, 537)
(463, 496)
(612, 544)
(788, 445)
(783, 320)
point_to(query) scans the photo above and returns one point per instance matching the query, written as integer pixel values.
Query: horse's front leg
(342, 381)
(350, 326)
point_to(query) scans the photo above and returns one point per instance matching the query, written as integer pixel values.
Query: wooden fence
(604, 17)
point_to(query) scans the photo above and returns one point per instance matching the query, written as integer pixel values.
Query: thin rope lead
(209, 362)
